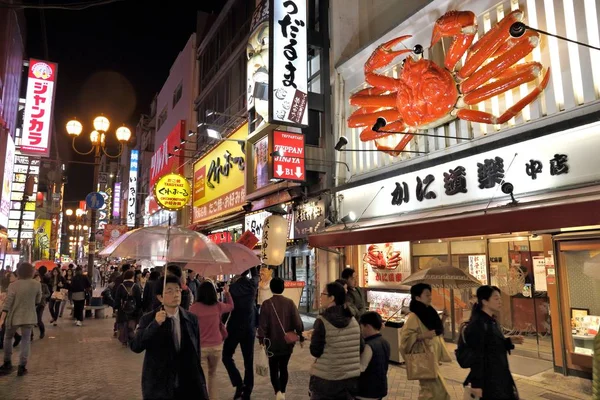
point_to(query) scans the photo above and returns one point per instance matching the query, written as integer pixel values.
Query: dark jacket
(243, 293)
(60, 283)
(270, 328)
(45, 295)
(122, 293)
(117, 281)
(373, 381)
(149, 296)
(490, 370)
(356, 298)
(163, 365)
(80, 283)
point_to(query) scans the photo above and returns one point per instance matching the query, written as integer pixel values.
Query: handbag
(420, 364)
(57, 295)
(223, 327)
(261, 366)
(290, 337)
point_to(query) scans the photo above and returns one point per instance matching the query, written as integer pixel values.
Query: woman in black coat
(490, 376)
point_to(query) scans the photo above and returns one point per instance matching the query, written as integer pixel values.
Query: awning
(216, 222)
(562, 211)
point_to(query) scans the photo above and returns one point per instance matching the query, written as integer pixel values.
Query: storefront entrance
(299, 265)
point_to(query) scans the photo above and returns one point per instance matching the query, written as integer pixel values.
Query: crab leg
(396, 150)
(508, 80)
(384, 55)
(462, 25)
(528, 42)
(489, 43)
(487, 118)
(387, 100)
(369, 134)
(358, 119)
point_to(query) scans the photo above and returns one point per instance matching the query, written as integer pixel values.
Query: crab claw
(383, 55)
(397, 149)
(454, 23)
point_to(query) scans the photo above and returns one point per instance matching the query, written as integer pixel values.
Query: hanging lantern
(274, 240)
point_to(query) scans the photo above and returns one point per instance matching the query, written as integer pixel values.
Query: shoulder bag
(420, 361)
(290, 337)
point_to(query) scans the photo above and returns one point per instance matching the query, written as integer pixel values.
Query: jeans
(78, 307)
(62, 306)
(210, 358)
(278, 368)
(25, 343)
(54, 307)
(40, 312)
(245, 338)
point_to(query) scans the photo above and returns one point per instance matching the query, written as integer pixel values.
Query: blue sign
(94, 200)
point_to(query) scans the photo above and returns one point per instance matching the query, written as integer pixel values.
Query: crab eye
(418, 49)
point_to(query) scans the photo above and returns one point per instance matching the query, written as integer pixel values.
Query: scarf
(428, 316)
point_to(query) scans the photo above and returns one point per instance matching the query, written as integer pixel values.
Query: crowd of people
(187, 326)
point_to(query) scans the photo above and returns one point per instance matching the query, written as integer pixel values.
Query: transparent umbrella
(164, 244)
(241, 259)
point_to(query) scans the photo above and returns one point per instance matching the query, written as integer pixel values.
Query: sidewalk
(86, 363)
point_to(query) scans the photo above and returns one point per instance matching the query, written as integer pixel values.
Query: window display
(392, 306)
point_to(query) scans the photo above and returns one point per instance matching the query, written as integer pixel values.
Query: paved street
(87, 363)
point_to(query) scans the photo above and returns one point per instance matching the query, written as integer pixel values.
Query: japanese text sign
(248, 239)
(220, 237)
(7, 181)
(537, 165)
(161, 163)
(219, 178)
(38, 108)
(290, 165)
(309, 217)
(117, 200)
(387, 264)
(172, 191)
(288, 76)
(132, 192)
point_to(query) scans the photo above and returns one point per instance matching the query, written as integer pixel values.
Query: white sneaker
(280, 396)
(78, 323)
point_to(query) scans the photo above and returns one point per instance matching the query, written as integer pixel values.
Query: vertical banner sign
(22, 210)
(288, 76)
(7, 181)
(162, 164)
(117, 201)
(257, 74)
(261, 163)
(38, 108)
(132, 192)
(290, 165)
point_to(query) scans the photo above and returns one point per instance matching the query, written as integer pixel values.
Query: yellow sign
(172, 191)
(42, 229)
(219, 178)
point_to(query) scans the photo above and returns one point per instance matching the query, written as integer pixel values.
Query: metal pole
(92, 240)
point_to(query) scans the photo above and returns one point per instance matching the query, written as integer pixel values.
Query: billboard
(38, 108)
(219, 178)
(132, 191)
(43, 230)
(21, 209)
(7, 181)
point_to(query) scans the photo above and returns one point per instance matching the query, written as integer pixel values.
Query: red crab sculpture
(427, 95)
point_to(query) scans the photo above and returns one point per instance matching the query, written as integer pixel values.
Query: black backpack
(128, 305)
(465, 354)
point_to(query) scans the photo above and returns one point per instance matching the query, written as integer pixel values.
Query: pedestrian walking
(129, 307)
(490, 376)
(12, 277)
(170, 337)
(39, 309)
(374, 359)
(80, 285)
(355, 296)
(335, 343)
(424, 328)
(278, 322)
(69, 294)
(19, 312)
(209, 312)
(56, 284)
(186, 294)
(241, 330)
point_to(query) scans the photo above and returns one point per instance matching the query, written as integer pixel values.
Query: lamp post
(97, 139)
(76, 228)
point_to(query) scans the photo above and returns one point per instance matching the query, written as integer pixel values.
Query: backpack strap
(129, 291)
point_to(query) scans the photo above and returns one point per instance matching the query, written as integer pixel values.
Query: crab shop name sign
(386, 264)
(172, 192)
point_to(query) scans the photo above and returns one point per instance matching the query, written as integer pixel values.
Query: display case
(393, 308)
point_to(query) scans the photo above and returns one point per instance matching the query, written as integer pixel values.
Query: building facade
(514, 204)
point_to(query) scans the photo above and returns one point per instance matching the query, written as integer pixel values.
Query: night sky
(112, 59)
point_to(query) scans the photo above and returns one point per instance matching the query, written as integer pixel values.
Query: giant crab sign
(427, 95)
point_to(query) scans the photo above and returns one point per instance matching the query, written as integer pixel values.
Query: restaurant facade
(516, 204)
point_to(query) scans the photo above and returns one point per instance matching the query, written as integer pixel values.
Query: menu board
(539, 274)
(478, 268)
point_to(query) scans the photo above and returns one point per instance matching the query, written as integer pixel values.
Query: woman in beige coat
(424, 325)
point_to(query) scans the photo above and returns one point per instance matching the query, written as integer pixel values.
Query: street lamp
(76, 218)
(98, 141)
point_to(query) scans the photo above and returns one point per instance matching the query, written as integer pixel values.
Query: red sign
(38, 108)
(248, 239)
(290, 165)
(161, 163)
(113, 232)
(220, 237)
(293, 284)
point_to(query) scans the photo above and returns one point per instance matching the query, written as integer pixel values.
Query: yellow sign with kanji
(172, 191)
